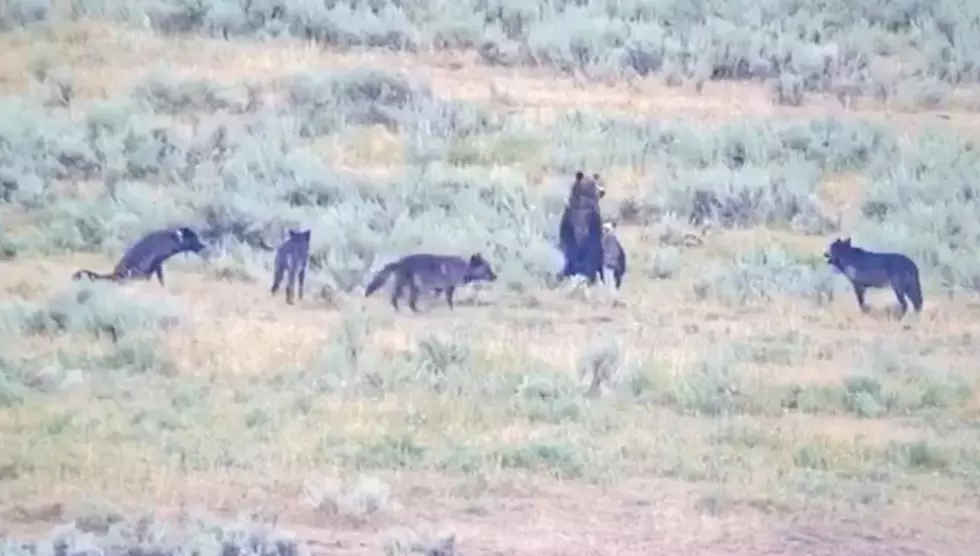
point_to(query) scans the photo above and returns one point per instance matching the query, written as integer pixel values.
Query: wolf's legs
(277, 278)
(302, 280)
(913, 290)
(449, 296)
(859, 293)
(900, 296)
(413, 296)
(158, 270)
(291, 286)
(396, 292)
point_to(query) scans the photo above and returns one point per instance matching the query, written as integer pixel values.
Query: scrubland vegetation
(731, 387)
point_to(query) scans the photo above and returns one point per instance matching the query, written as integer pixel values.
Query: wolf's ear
(306, 234)
(596, 177)
(847, 241)
(579, 175)
(476, 258)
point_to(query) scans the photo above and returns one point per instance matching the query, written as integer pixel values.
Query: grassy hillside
(747, 405)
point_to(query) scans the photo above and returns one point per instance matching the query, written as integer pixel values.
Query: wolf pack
(589, 244)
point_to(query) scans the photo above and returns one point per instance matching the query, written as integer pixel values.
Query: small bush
(166, 94)
(368, 496)
(762, 275)
(149, 536)
(666, 263)
(402, 541)
(96, 309)
(15, 14)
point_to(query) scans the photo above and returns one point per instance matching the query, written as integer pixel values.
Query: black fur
(580, 230)
(438, 273)
(292, 258)
(866, 269)
(145, 258)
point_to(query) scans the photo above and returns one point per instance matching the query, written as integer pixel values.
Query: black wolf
(866, 269)
(146, 257)
(292, 258)
(580, 230)
(438, 273)
(613, 255)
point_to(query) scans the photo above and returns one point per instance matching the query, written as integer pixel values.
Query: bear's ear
(579, 175)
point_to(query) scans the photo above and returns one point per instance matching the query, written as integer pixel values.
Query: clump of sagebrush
(402, 541)
(599, 362)
(764, 274)
(24, 13)
(923, 203)
(442, 362)
(92, 308)
(167, 94)
(366, 497)
(347, 360)
(666, 263)
(547, 396)
(327, 102)
(197, 535)
(12, 390)
(710, 387)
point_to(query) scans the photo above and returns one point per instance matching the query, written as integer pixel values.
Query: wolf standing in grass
(438, 273)
(291, 259)
(580, 230)
(613, 254)
(867, 269)
(146, 257)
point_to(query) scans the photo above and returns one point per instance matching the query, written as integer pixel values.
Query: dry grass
(106, 59)
(235, 332)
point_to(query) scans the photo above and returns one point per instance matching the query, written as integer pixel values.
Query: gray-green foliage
(758, 275)
(94, 308)
(744, 173)
(816, 46)
(116, 537)
(23, 13)
(243, 180)
(926, 204)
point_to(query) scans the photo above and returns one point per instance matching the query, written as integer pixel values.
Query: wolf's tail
(91, 275)
(380, 278)
(913, 289)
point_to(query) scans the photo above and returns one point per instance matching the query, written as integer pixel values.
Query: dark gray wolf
(866, 269)
(580, 230)
(292, 258)
(437, 273)
(146, 257)
(613, 254)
